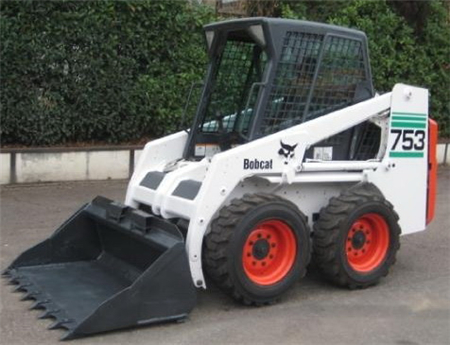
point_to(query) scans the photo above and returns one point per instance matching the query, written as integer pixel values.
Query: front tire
(356, 237)
(258, 247)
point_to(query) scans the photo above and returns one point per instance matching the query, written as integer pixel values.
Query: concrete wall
(44, 165)
(5, 168)
(72, 166)
(443, 153)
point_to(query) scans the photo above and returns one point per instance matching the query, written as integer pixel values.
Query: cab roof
(279, 25)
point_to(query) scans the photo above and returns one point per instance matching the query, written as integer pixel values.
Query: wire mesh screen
(368, 142)
(293, 80)
(241, 64)
(296, 96)
(342, 68)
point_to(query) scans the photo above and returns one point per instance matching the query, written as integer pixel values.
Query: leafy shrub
(104, 70)
(117, 71)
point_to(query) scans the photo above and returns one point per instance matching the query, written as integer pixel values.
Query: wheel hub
(269, 252)
(367, 242)
(261, 249)
(358, 240)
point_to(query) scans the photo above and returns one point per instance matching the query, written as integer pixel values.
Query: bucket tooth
(68, 336)
(16, 279)
(48, 313)
(21, 287)
(27, 296)
(39, 304)
(30, 295)
(60, 324)
(44, 315)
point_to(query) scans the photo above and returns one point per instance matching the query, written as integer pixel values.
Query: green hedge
(118, 71)
(109, 71)
(398, 54)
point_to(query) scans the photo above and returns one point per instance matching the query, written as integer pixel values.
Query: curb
(31, 165)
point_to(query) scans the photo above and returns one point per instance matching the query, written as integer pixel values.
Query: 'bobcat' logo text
(256, 164)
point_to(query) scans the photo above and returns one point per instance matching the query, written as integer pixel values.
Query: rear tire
(258, 247)
(356, 237)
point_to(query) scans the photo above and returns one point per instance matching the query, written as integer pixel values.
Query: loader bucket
(107, 267)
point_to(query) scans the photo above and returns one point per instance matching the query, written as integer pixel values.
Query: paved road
(411, 306)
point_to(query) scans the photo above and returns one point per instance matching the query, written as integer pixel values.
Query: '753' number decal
(409, 139)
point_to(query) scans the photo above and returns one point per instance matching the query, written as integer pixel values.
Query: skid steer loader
(290, 155)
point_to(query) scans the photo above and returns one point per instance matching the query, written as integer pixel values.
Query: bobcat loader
(291, 156)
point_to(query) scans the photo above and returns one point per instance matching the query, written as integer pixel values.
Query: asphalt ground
(410, 306)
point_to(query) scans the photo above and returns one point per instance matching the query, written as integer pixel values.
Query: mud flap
(107, 267)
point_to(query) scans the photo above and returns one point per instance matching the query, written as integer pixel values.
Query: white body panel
(155, 155)
(403, 178)
(230, 174)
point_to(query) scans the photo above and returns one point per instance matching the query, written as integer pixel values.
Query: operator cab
(265, 75)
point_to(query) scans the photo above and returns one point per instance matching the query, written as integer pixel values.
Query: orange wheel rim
(367, 243)
(269, 252)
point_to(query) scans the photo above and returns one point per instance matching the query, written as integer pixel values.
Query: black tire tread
(327, 231)
(217, 241)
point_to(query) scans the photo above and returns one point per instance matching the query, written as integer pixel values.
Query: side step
(107, 267)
